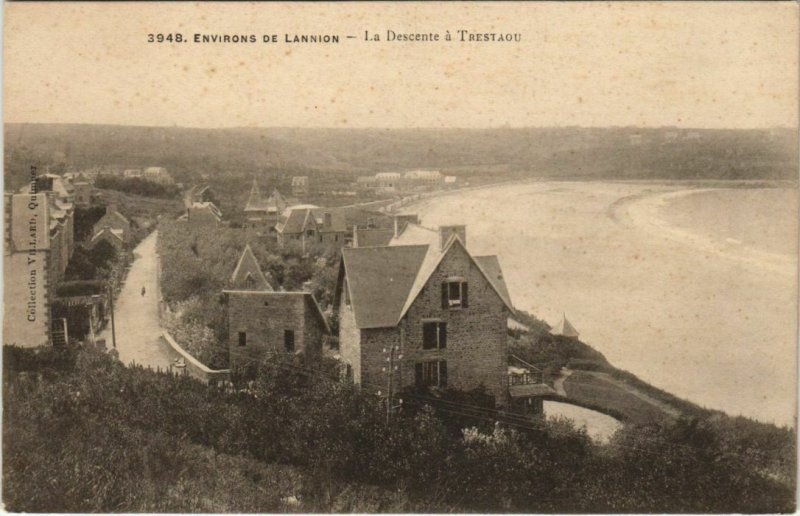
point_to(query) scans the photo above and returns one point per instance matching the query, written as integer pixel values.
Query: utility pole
(111, 302)
(390, 407)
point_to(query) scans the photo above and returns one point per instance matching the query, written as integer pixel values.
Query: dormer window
(455, 294)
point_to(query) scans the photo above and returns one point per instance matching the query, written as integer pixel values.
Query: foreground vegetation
(83, 433)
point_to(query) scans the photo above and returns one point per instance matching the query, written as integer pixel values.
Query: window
(242, 338)
(455, 294)
(320, 237)
(288, 340)
(434, 335)
(249, 281)
(431, 374)
(310, 232)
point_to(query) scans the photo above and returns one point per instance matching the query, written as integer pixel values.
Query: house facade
(311, 225)
(427, 295)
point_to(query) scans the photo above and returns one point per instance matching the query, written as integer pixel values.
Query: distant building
(565, 328)
(115, 221)
(423, 179)
(132, 173)
(84, 191)
(263, 212)
(110, 236)
(310, 225)
(200, 203)
(158, 175)
(299, 186)
(388, 182)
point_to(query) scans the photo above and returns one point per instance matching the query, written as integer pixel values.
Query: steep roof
(276, 201)
(255, 202)
(379, 280)
(564, 328)
(372, 237)
(247, 271)
(338, 223)
(292, 221)
(490, 265)
(385, 281)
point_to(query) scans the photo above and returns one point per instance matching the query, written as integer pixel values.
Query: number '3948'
(165, 38)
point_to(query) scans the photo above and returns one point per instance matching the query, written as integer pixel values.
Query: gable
(433, 263)
(248, 275)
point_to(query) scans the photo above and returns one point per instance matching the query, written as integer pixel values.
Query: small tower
(565, 328)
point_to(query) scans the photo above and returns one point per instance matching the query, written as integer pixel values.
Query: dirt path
(136, 315)
(558, 384)
(668, 409)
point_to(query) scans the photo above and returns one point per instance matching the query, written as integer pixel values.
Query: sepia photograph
(400, 257)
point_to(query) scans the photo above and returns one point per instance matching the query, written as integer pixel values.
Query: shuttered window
(455, 294)
(242, 338)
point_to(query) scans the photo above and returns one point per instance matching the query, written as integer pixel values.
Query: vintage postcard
(391, 257)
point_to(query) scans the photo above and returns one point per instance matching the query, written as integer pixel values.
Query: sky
(687, 64)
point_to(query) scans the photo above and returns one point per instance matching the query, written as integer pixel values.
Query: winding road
(136, 315)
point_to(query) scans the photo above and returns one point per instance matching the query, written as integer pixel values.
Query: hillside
(569, 152)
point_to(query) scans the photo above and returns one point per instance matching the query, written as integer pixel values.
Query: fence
(193, 367)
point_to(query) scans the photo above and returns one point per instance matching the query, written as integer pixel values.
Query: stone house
(201, 206)
(309, 225)
(262, 322)
(445, 309)
(110, 235)
(116, 221)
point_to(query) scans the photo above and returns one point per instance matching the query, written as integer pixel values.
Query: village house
(300, 186)
(263, 212)
(116, 222)
(422, 179)
(310, 225)
(262, 322)
(201, 204)
(39, 242)
(388, 182)
(107, 234)
(157, 175)
(444, 309)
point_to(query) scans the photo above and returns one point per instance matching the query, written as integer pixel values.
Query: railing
(524, 379)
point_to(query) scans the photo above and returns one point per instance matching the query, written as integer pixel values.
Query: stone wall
(264, 317)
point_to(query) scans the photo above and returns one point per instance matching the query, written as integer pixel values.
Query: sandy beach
(692, 289)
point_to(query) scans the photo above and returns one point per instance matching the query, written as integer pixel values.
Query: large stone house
(445, 310)
(262, 322)
(310, 225)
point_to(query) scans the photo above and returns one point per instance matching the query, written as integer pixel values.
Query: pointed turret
(565, 328)
(254, 202)
(248, 275)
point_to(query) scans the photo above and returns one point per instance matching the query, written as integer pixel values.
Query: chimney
(328, 220)
(401, 221)
(446, 232)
